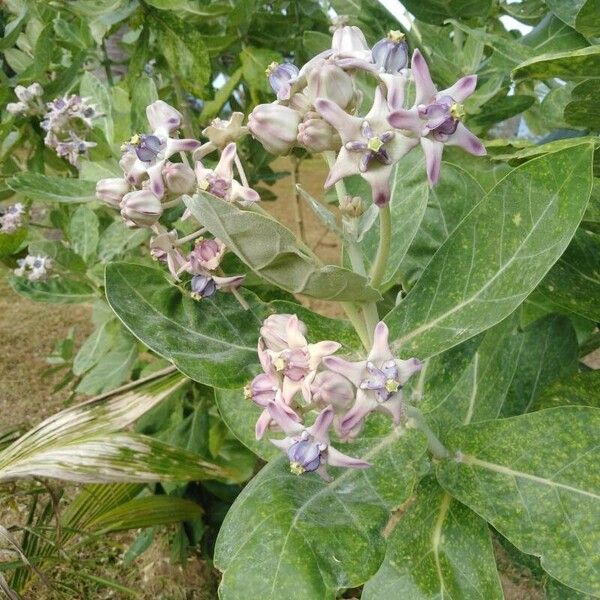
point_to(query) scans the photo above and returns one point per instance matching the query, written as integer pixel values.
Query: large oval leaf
(40, 187)
(293, 538)
(535, 479)
(497, 255)
(273, 253)
(573, 65)
(439, 549)
(57, 290)
(212, 341)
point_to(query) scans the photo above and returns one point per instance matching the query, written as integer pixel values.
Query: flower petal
(433, 158)
(394, 406)
(467, 141)
(283, 418)
(406, 119)
(157, 186)
(347, 126)
(319, 429)
(362, 407)
(380, 352)
(262, 424)
(396, 88)
(335, 458)
(462, 89)
(224, 167)
(425, 90)
(353, 371)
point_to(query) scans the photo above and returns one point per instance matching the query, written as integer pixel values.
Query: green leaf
(40, 187)
(288, 537)
(552, 35)
(143, 94)
(583, 110)
(83, 232)
(212, 341)
(574, 281)
(57, 290)
(96, 94)
(501, 109)
(456, 193)
(254, 62)
(583, 15)
(439, 549)
(93, 349)
(11, 242)
(497, 255)
(184, 51)
(83, 444)
(240, 415)
(212, 107)
(273, 253)
(437, 11)
(499, 375)
(575, 64)
(118, 239)
(148, 511)
(580, 389)
(534, 478)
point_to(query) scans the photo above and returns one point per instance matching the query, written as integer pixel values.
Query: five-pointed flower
(369, 146)
(220, 182)
(308, 448)
(435, 117)
(379, 381)
(147, 153)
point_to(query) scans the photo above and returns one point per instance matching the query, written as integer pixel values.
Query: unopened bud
(301, 103)
(391, 53)
(275, 127)
(349, 40)
(317, 135)
(334, 389)
(207, 254)
(352, 207)
(163, 116)
(112, 190)
(179, 178)
(16, 108)
(142, 208)
(262, 389)
(330, 82)
(274, 331)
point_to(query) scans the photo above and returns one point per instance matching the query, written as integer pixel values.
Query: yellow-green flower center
(374, 144)
(279, 363)
(395, 36)
(297, 468)
(391, 385)
(457, 111)
(271, 68)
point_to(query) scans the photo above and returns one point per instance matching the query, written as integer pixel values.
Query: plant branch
(383, 250)
(437, 449)
(296, 198)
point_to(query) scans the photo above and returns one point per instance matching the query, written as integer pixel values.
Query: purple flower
(112, 190)
(281, 76)
(379, 381)
(141, 208)
(369, 147)
(308, 448)
(274, 331)
(146, 154)
(207, 254)
(203, 287)
(163, 247)
(391, 53)
(12, 219)
(434, 119)
(220, 182)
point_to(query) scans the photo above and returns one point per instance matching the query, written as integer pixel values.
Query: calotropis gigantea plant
(450, 405)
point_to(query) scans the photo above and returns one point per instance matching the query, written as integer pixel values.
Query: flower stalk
(383, 250)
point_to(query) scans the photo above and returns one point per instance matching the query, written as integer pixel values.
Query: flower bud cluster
(299, 377)
(34, 268)
(67, 122)
(29, 100)
(317, 108)
(12, 218)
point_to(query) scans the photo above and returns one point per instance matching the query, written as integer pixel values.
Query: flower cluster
(299, 377)
(67, 122)
(317, 108)
(29, 100)
(12, 218)
(35, 268)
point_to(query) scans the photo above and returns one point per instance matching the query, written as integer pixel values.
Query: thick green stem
(437, 449)
(358, 324)
(383, 250)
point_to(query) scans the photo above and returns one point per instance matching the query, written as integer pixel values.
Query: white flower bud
(275, 127)
(334, 389)
(179, 178)
(317, 135)
(274, 331)
(332, 83)
(112, 190)
(349, 40)
(17, 108)
(163, 116)
(142, 208)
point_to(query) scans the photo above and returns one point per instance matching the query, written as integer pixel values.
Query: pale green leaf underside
(273, 253)
(535, 479)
